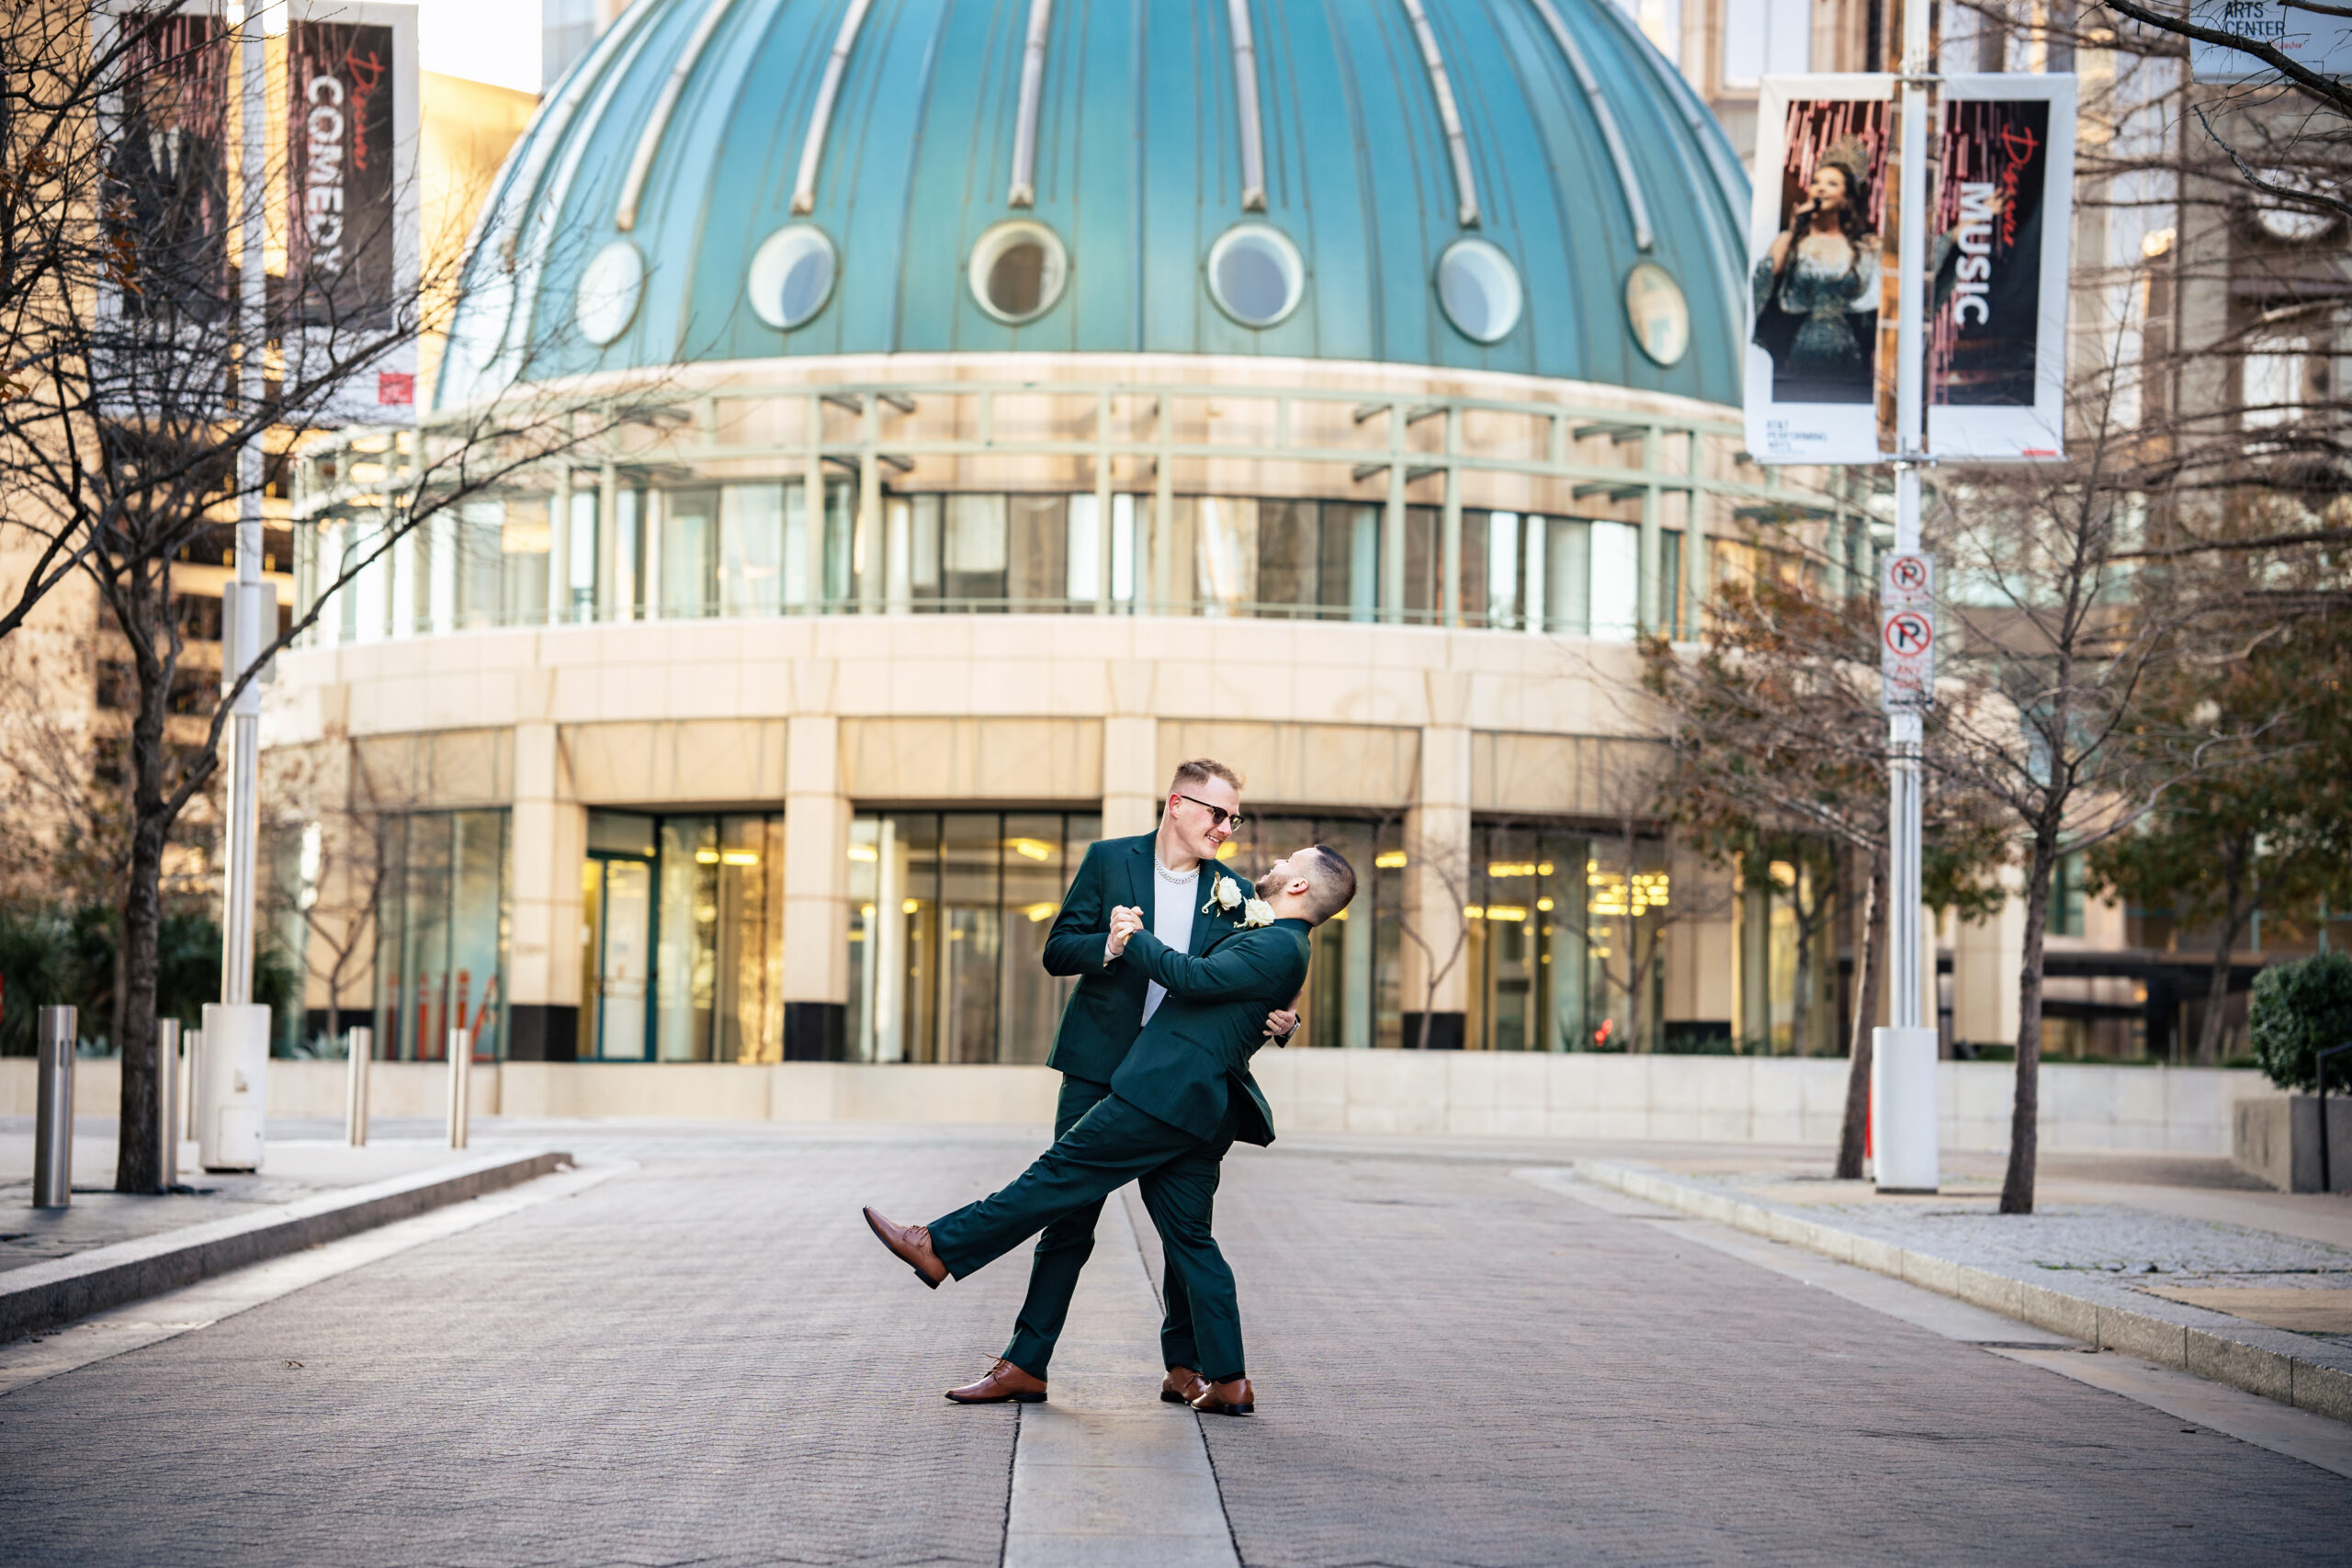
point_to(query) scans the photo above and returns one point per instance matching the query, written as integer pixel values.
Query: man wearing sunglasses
(1172, 875)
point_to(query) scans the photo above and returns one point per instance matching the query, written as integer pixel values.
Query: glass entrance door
(623, 934)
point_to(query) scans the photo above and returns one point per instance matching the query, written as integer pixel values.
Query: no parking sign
(1906, 633)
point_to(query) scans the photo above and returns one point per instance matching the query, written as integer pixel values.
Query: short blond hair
(1199, 771)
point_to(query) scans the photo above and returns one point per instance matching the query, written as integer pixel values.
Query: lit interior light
(1474, 912)
(1545, 905)
(1544, 869)
(866, 911)
(1031, 849)
(1507, 912)
(1227, 849)
(1037, 912)
(1389, 859)
(1510, 868)
(739, 857)
(706, 857)
(911, 907)
(861, 852)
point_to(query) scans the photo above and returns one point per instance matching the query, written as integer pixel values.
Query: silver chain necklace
(1175, 878)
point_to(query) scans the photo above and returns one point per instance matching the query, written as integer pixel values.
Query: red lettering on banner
(2018, 145)
(366, 72)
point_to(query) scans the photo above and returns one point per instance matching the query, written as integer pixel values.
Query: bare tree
(2058, 642)
(121, 434)
(1778, 734)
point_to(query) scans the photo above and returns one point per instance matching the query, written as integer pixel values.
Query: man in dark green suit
(1180, 1099)
(1175, 869)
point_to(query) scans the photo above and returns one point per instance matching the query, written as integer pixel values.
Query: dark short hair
(1199, 771)
(1330, 882)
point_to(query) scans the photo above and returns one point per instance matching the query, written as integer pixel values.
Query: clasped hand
(1125, 921)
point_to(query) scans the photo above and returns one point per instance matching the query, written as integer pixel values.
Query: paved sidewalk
(292, 1168)
(708, 1360)
(2257, 1309)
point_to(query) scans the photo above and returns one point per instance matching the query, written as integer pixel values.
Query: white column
(816, 862)
(1133, 788)
(1437, 842)
(548, 841)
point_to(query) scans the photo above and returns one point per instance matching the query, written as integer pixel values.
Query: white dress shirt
(1171, 921)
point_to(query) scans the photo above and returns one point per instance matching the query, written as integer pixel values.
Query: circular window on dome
(1656, 312)
(1255, 274)
(791, 275)
(606, 299)
(1479, 289)
(1018, 270)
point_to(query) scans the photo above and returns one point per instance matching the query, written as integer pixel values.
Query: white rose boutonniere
(1255, 913)
(1226, 896)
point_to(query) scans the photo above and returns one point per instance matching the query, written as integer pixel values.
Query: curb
(42, 1295)
(2324, 1391)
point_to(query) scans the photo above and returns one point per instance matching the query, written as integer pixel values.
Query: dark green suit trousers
(1110, 1145)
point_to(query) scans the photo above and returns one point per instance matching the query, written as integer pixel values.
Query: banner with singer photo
(1998, 256)
(1819, 263)
(351, 224)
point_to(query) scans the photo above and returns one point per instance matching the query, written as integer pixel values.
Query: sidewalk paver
(98, 1216)
(707, 1361)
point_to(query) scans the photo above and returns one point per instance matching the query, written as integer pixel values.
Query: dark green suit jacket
(1106, 1010)
(1194, 1054)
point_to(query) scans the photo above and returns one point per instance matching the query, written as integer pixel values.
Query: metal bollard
(461, 1072)
(361, 1048)
(191, 1042)
(53, 1111)
(167, 1119)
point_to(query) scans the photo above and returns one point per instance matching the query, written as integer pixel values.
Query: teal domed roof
(1467, 184)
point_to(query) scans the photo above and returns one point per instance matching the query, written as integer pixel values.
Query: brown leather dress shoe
(1004, 1381)
(1234, 1398)
(1181, 1386)
(913, 1244)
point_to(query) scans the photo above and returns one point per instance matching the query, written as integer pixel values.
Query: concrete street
(703, 1358)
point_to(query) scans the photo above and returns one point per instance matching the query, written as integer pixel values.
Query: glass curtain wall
(441, 935)
(694, 552)
(1529, 952)
(949, 915)
(1563, 936)
(683, 959)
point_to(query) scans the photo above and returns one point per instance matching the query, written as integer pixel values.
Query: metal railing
(1150, 427)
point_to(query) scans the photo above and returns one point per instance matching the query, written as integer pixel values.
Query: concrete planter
(2275, 1137)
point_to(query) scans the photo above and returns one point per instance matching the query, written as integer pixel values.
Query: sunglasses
(1218, 816)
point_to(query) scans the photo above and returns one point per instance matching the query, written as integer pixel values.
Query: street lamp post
(231, 1093)
(1903, 1060)
(249, 634)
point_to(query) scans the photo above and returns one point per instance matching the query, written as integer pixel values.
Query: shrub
(2300, 1010)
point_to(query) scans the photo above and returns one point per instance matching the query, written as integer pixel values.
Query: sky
(489, 41)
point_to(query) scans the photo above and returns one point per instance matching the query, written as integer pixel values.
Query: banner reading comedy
(2001, 222)
(1818, 246)
(350, 199)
